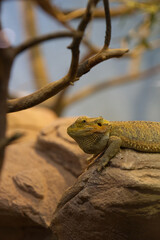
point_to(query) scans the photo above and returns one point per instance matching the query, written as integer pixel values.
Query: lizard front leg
(113, 148)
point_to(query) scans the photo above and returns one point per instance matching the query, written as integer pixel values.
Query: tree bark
(6, 59)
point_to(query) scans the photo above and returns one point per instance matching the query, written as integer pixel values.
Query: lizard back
(139, 135)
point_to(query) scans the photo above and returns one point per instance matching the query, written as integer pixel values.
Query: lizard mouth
(85, 132)
(76, 131)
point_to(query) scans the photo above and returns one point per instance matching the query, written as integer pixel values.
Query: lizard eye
(84, 121)
(99, 124)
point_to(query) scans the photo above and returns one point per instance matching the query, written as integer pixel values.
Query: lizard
(99, 136)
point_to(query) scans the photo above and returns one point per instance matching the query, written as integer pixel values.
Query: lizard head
(91, 134)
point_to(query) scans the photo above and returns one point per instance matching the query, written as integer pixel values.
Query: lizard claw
(104, 163)
(100, 168)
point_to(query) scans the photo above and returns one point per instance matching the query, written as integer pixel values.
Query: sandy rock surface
(122, 202)
(29, 121)
(62, 148)
(30, 186)
(35, 175)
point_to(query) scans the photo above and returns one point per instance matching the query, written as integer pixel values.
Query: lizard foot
(91, 160)
(103, 164)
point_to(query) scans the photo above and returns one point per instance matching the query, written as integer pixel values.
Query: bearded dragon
(97, 135)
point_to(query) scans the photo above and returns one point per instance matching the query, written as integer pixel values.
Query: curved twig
(37, 40)
(0, 16)
(99, 12)
(101, 56)
(53, 88)
(108, 23)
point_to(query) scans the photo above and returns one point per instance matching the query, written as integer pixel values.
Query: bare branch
(5, 68)
(76, 40)
(108, 23)
(98, 13)
(54, 11)
(51, 9)
(121, 10)
(37, 61)
(37, 40)
(103, 54)
(0, 15)
(98, 58)
(53, 88)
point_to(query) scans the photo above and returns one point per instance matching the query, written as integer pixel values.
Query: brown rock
(29, 121)
(121, 203)
(34, 177)
(30, 186)
(62, 148)
(35, 186)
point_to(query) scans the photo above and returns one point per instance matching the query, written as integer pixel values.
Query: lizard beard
(93, 143)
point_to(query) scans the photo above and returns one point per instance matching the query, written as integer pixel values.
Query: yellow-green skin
(93, 134)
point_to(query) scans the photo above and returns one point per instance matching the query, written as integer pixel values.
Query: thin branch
(51, 9)
(37, 61)
(99, 13)
(103, 55)
(54, 11)
(6, 59)
(76, 40)
(108, 23)
(37, 40)
(128, 78)
(64, 16)
(53, 88)
(0, 15)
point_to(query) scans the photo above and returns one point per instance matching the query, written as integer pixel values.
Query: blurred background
(125, 97)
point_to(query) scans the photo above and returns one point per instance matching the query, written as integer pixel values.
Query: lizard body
(97, 135)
